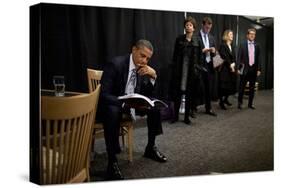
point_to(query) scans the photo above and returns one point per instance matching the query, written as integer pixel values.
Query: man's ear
(134, 48)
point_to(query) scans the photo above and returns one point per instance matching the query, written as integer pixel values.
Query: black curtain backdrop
(77, 37)
(74, 38)
(161, 28)
(61, 47)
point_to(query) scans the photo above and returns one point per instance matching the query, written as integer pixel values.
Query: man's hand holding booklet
(140, 101)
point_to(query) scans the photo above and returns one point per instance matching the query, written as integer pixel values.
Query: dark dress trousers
(227, 79)
(113, 84)
(249, 73)
(208, 77)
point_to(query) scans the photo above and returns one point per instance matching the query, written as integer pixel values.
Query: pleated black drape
(61, 47)
(161, 28)
(76, 37)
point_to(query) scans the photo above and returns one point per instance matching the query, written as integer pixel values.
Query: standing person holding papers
(126, 75)
(249, 67)
(209, 51)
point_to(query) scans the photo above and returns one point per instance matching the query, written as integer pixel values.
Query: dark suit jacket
(243, 58)
(114, 79)
(212, 43)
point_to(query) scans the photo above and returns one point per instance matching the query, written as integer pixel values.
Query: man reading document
(127, 75)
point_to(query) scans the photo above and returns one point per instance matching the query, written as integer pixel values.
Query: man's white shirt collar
(132, 64)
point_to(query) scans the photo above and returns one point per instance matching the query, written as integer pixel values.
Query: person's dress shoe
(211, 113)
(251, 107)
(222, 106)
(240, 106)
(173, 120)
(154, 154)
(187, 121)
(227, 103)
(114, 172)
(195, 109)
(192, 114)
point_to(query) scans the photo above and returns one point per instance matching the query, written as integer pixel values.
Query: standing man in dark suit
(125, 75)
(249, 67)
(209, 51)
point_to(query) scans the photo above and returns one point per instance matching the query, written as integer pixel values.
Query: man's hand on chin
(147, 70)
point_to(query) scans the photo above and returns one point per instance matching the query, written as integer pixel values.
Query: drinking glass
(59, 85)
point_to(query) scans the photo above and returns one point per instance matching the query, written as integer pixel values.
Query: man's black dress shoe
(174, 120)
(154, 154)
(192, 114)
(187, 121)
(211, 113)
(251, 107)
(240, 106)
(222, 106)
(114, 172)
(227, 103)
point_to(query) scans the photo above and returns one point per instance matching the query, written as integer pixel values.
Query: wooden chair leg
(88, 179)
(123, 133)
(130, 143)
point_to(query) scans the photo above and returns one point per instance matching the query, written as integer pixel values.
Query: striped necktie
(131, 89)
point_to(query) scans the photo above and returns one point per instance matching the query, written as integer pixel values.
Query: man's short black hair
(144, 43)
(207, 20)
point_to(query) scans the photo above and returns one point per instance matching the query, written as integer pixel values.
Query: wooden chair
(126, 126)
(66, 137)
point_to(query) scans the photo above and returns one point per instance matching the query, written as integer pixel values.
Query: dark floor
(234, 141)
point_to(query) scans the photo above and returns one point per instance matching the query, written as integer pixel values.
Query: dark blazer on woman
(227, 79)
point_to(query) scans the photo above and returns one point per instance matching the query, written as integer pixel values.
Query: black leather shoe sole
(173, 121)
(228, 103)
(252, 107)
(222, 106)
(239, 107)
(211, 113)
(155, 155)
(187, 121)
(114, 172)
(192, 115)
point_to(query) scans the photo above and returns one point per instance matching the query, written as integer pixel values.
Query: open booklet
(136, 100)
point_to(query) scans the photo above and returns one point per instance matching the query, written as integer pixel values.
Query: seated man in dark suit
(125, 75)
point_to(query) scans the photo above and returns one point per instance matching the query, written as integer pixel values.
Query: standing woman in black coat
(186, 57)
(227, 73)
